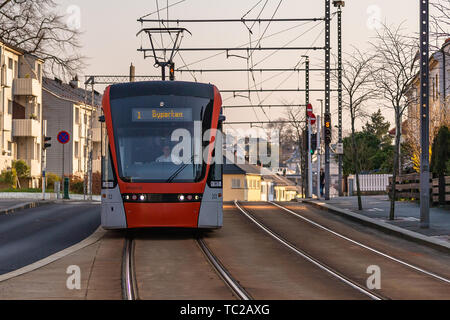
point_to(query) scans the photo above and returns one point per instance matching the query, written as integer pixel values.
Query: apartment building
(68, 107)
(20, 109)
(439, 76)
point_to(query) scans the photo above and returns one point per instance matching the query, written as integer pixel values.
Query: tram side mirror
(101, 118)
(222, 118)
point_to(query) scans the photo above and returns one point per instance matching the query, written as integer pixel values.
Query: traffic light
(313, 143)
(46, 142)
(327, 128)
(172, 71)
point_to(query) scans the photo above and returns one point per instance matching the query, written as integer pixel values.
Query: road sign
(309, 109)
(63, 137)
(312, 118)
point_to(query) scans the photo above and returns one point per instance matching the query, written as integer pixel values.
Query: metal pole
(425, 122)
(308, 132)
(340, 159)
(90, 144)
(327, 93)
(43, 157)
(310, 191)
(163, 72)
(319, 127)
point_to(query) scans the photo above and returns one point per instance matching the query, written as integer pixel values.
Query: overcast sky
(109, 40)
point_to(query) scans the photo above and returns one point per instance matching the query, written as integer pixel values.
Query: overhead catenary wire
(245, 44)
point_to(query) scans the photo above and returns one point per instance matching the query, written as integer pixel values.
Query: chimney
(132, 73)
(74, 83)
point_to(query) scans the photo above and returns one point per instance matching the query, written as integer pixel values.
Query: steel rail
(223, 273)
(311, 259)
(129, 285)
(431, 274)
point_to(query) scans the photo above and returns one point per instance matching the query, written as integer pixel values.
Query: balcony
(26, 87)
(25, 128)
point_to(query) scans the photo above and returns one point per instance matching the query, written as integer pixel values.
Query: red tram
(158, 155)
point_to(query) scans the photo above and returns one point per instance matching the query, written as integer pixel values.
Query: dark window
(144, 145)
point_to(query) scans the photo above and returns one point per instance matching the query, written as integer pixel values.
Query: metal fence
(369, 182)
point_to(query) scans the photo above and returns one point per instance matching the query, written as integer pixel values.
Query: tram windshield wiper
(178, 171)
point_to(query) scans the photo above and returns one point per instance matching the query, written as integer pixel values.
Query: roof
(235, 168)
(277, 179)
(67, 92)
(146, 88)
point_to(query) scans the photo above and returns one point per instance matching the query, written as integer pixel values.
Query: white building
(65, 110)
(20, 109)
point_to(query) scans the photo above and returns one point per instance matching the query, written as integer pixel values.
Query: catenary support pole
(425, 122)
(340, 159)
(327, 93)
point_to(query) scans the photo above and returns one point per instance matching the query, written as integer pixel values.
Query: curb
(23, 206)
(93, 238)
(383, 226)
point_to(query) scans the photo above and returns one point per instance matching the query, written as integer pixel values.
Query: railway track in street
(130, 284)
(344, 256)
(411, 266)
(311, 259)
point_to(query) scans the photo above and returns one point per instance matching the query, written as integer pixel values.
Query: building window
(10, 63)
(10, 107)
(39, 71)
(437, 87)
(77, 150)
(38, 151)
(9, 148)
(16, 70)
(235, 183)
(39, 111)
(77, 115)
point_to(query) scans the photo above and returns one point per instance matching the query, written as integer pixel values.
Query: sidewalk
(11, 202)
(407, 217)
(8, 206)
(29, 196)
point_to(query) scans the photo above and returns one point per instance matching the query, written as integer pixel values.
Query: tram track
(343, 251)
(129, 284)
(385, 255)
(311, 259)
(232, 283)
(130, 290)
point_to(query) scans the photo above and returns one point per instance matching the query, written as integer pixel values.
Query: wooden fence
(408, 187)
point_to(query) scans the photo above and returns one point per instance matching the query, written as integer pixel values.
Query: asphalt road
(33, 234)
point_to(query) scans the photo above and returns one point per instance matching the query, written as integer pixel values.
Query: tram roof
(146, 88)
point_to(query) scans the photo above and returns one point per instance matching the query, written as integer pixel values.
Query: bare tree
(358, 88)
(297, 120)
(397, 65)
(34, 26)
(440, 20)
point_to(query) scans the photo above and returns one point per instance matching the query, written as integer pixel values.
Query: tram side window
(107, 171)
(217, 167)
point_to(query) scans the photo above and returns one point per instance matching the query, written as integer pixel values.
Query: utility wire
(169, 6)
(245, 44)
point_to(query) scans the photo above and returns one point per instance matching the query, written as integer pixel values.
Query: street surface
(310, 254)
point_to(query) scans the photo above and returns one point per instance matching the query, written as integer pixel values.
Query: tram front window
(144, 146)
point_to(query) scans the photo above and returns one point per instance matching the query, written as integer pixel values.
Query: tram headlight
(181, 197)
(142, 197)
